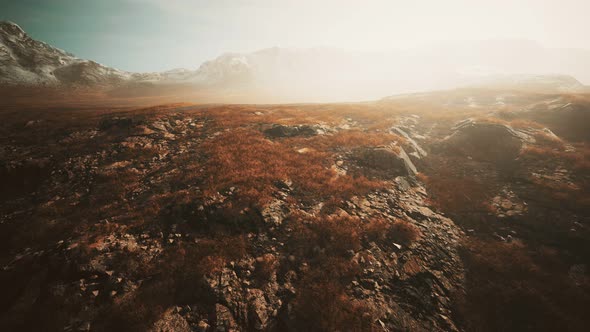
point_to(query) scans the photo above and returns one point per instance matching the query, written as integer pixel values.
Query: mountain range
(314, 74)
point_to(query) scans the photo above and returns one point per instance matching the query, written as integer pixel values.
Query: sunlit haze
(295, 165)
(154, 35)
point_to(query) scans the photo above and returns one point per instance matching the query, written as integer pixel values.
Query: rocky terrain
(463, 210)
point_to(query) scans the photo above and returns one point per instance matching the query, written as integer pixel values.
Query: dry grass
(244, 159)
(579, 160)
(525, 124)
(528, 291)
(336, 235)
(327, 242)
(404, 232)
(349, 139)
(322, 304)
(383, 231)
(454, 194)
(366, 115)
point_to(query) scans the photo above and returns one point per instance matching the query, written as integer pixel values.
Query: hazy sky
(151, 35)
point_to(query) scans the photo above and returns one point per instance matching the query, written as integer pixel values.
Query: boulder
(115, 122)
(278, 131)
(490, 142)
(570, 120)
(142, 131)
(203, 326)
(274, 212)
(388, 161)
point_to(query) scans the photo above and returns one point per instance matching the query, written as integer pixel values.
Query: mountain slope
(24, 60)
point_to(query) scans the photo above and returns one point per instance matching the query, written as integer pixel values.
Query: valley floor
(446, 211)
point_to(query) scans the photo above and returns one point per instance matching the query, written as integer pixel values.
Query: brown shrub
(337, 234)
(377, 229)
(383, 231)
(404, 232)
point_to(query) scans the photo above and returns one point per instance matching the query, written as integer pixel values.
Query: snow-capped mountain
(322, 74)
(24, 60)
(313, 74)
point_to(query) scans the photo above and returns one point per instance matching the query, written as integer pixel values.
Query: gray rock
(277, 131)
(417, 152)
(491, 142)
(274, 212)
(224, 320)
(115, 122)
(385, 160)
(203, 326)
(258, 309)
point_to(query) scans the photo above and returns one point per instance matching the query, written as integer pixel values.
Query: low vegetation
(453, 194)
(254, 166)
(118, 216)
(511, 287)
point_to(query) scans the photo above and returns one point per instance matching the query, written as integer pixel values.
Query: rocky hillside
(431, 212)
(24, 60)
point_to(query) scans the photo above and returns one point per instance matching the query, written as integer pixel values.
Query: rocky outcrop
(570, 120)
(412, 285)
(485, 141)
(416, 150)
(259, 311)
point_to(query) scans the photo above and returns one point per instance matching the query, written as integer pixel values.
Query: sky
(155, 35)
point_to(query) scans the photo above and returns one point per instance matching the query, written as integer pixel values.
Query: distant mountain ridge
(315, 74)
(541, 83)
